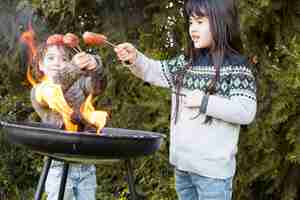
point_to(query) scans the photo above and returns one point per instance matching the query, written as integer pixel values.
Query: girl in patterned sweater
(213, 93)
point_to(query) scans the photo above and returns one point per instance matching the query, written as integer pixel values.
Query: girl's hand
(84, 61)
(126, 52)
(193, 99)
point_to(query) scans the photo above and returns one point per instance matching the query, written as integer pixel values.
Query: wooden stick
(110, 44)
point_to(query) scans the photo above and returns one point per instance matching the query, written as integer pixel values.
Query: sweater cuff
(138, 60)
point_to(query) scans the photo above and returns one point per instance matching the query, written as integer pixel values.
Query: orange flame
(28, 38)
(50, 94)
(47, 93)
(95, 117)
(29, 77)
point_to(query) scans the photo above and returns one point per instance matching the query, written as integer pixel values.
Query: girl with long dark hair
(213, 93)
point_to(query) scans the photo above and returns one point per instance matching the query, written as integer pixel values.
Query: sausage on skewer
(72, 41)
(91, 38)
(56, 39)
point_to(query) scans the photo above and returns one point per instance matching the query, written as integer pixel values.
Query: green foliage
(269, 149)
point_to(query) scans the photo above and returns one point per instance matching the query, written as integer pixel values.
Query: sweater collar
(204, 58)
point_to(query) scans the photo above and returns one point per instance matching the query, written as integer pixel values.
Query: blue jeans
(191, 186)
(81, 182)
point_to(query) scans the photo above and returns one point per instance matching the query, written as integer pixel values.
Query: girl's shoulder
(239, 66)
(236, 60)
(177, 60)
(176, 63)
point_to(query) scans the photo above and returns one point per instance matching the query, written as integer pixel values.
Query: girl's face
(55, 59)
(199, 30)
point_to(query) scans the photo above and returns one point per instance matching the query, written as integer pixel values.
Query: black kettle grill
(114, 144)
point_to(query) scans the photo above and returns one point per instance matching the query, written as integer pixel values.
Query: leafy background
(269, 149)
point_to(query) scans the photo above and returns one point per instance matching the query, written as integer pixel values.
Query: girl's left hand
(193, 99)
(84, 61)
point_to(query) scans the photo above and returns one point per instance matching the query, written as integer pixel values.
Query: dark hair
(224, 25)
(225, 29)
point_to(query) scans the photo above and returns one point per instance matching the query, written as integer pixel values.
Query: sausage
(94, 38)
(56, 39)
(71, 40)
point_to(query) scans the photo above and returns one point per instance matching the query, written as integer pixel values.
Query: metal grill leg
(130, 179)
(43, 178)
(63, 181)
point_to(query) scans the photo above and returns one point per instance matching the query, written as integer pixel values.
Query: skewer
(109, 43)
(97, 39)
(76, 50)
(72, 41)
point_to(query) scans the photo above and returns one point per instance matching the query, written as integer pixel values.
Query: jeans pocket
(212, 188)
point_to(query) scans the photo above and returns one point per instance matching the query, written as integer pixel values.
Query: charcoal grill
(114, 144)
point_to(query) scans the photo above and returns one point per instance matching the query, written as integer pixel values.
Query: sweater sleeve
(95, 81)
(159, 73)
(67, 76)
(240, 107)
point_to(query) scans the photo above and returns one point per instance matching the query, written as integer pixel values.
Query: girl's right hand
(126, 52)
(84, 61)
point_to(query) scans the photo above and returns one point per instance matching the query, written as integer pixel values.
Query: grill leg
(43, 178)
(63, 181)
(130, 179)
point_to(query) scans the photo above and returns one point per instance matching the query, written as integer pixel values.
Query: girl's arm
(152, 71)
(239, 110)
(95, 82)
(240, 107)
(67, 76)
(149, 70)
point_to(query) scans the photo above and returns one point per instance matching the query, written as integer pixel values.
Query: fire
(95, 117)
(29, 77)
(51, 94)
(28, 38)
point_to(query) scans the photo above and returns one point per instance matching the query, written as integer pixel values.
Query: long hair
(225, 30)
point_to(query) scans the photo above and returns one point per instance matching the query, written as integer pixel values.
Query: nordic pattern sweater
(208, 149)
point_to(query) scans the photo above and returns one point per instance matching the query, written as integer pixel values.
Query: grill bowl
(112, 144)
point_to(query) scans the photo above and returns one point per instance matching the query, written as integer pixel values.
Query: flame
(50, 94)
(28, 38)
(29, 77)
(94, 117)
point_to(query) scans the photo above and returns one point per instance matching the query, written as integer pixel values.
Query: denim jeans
(191, 186)
(81, 182)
